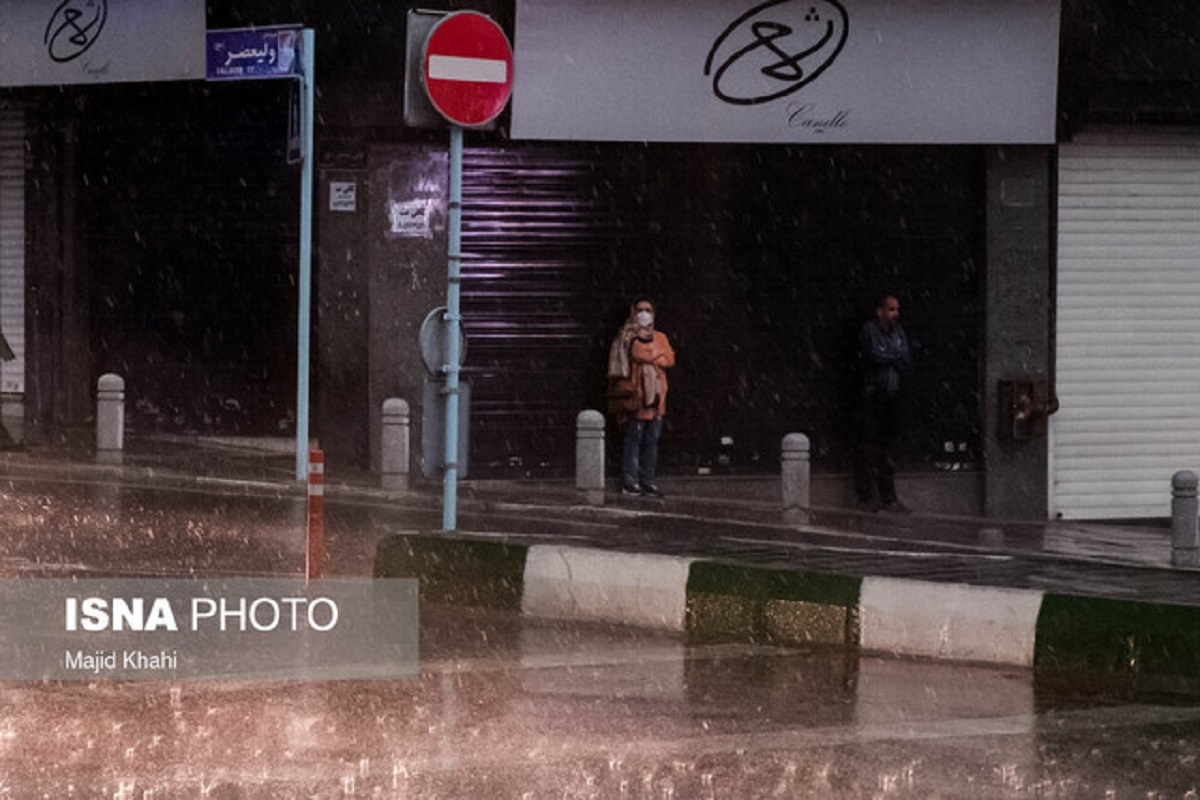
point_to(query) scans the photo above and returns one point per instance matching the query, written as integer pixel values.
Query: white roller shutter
(1128, 328)
(12, 247)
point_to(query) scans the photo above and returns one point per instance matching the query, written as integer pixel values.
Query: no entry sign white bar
(457, 68)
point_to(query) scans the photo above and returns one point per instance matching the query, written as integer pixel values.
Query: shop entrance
(191, 211)
(764, 262)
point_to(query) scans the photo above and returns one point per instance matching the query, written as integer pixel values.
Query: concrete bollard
(1185, 532)
(395, 445)
(110, 419)
(589, 456)
(796, 479)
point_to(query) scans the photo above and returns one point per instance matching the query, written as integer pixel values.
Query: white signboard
(411, 218)
(784, 71)
(100, 41)
(343, 196)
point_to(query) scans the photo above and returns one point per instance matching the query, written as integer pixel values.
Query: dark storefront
(765, 261)
(192, 217)
(163, 244)
(157, 234)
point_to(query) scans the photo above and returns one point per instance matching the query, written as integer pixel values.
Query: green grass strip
(459, 571)
(1108, 636)
(758, 583)
(773, 606)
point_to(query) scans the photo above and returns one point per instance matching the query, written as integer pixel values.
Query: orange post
(314, 563)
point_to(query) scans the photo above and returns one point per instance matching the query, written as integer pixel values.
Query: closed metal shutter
(12, 247)
(1128, 363)
(538, 281)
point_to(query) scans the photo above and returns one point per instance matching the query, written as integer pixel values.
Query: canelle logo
(776, 48)
(74, 27)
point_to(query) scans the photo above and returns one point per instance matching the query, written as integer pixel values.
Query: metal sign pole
(289, 53)
(466, 71)
(453, 322)
(304, 323)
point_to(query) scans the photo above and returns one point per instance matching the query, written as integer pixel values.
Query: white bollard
(395, 445)
(589, 456)
(110, 419)
(796, 479)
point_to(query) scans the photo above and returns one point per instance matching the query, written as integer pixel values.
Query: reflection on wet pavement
(509, 708)
(506, 707)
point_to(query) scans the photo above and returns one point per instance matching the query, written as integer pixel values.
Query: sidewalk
(713, 559)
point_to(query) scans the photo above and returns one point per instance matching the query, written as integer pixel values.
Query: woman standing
(641, 355)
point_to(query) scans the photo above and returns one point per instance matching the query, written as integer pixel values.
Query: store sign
(100, 41)
(784, 71)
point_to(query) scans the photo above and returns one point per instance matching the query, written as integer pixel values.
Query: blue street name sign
(253, 53)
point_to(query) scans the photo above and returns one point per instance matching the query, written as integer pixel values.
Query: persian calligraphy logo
(775, 49)
(74, 27)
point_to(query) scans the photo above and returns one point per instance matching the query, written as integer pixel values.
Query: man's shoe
(896, 507)
(631, 491)
(650, 490)
(870, 506)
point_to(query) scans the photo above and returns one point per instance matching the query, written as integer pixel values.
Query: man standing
(883, 356)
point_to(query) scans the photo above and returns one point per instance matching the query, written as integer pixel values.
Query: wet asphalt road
(81, 528)
(505, 707)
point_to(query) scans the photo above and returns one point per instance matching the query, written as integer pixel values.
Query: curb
(141, 474)
(645, 590)
(950, 621)
(710, 601)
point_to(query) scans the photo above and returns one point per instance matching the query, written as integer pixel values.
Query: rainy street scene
(552, 398)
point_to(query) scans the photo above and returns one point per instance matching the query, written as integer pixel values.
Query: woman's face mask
(644, 318)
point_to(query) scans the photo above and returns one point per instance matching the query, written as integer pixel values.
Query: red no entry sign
(467, 68)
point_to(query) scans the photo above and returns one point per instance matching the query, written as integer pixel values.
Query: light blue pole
(307, 81)
(452, 327)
